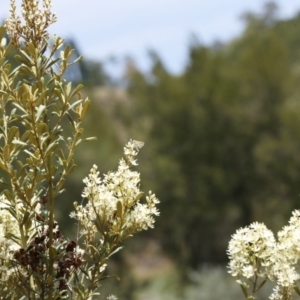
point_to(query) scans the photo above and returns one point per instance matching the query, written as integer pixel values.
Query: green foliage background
(224, 138)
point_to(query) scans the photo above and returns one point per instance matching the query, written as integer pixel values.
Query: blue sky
(129, 27)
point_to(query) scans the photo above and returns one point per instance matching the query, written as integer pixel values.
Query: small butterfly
(138, 144)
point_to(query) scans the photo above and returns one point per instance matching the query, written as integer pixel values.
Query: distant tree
(222, 141)
(88, 71)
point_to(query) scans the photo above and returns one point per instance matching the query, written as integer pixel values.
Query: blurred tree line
(222, 138)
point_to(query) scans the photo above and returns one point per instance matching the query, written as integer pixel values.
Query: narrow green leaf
(66, 52)
(98, 226)
(296, 288)
(53, 250)
(25, 218)
(2, 30)
(11, 210)
(58, 42)
(59, 185)
(76, 90)
(13, 111)
(6, 152)
(39, 62)
(2, 59)
(27, 56)
(68, 88)
(8, 49)
(29, 153)
(60, 192)
(70, 158)
(115, 251)
(89, 139)
(2, 129)
(20, 163)
(23, 60)
(7, 194)
(52, 63)
(40, 99)
(2, 165)
(53, 170)
(86, 106)
(61, 154)
(78, 142)
(14, 132)
(65, 165)
(77, 59)
(110, 276)
(51, 147)
(71, 120)
(32, 138)
(60, 94)
(40, 110)
(33, 50)
(119, 209)
(138, 197)
(20, 108)
(74, 104)
(24, 70)
(11, 236)
(51, 80)
(79, 292)
(42, 128)
(34, 70)
(18, 142)
(73, 167)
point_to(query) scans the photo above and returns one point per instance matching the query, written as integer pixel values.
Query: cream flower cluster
(113, 202)
(250, 250)
(254, 252)
(36, 22)
(8, 227)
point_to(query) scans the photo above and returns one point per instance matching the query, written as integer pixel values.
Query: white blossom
(114, 200)
(253, 251)
(249, 246)
(281, 293)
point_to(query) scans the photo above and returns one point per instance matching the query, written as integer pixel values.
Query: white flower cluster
(8, 227)
(113, 202)
(250, 250)
(254, 252)
(36, 21)
(10, 235)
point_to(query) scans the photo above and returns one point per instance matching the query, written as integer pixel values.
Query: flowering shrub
(36, 260)
(255, 257)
